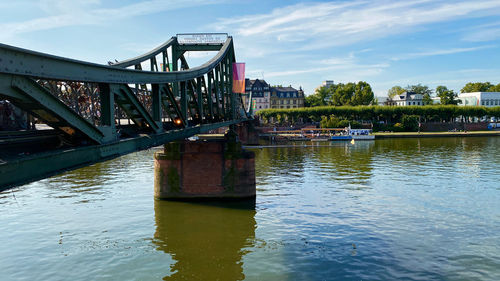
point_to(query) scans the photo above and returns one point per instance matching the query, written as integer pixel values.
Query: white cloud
(484, 32)
(274, 36)
(81, 12)
(369, 69)
(453, 79)
(440, 52)
(320, 25)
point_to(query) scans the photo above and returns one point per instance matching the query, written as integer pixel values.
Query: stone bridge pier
(247, 133)
(208, 169)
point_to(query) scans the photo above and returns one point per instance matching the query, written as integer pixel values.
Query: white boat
(361, 134)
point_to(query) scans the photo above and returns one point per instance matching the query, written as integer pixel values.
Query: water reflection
(99, 179)
(338, 161)
(207, 240)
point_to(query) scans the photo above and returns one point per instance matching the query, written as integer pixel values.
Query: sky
(298, 43)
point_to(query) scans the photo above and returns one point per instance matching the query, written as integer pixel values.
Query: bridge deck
(85, 105)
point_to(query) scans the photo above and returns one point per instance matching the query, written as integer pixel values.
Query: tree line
(340, 94)
(377, 114)
(445, 95)
(360, 93)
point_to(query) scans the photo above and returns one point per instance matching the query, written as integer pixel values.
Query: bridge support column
(246, 133)
(215, 169)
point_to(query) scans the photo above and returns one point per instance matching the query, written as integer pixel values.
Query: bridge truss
(95, 112)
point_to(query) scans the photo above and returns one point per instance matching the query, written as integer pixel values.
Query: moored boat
(361, 134)
(341, 138)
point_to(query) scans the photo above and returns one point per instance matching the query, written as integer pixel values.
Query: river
(394, 209)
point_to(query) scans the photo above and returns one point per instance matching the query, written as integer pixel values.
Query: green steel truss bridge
(94, 112)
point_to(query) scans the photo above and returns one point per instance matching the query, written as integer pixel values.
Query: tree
(426, 99)
(423, 90)
(496, 88)
(394, 91)
(478, 87)
(319, 98)
(419, 89)
(363, 94)
(352, 94)
(324, 94)
(312, 100)
(343, 94)
(447, 96)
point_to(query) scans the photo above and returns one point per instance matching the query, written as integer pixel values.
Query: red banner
(239, 77)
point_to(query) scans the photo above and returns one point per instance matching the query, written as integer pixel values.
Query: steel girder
(28, 95)
(143, 89)
(194, 95)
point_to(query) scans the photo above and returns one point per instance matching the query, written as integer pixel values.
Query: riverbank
(378, 135)
(387, 135)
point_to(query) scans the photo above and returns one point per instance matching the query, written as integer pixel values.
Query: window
(294, 101)
(281, 102)
(482, 102)
(487, 102)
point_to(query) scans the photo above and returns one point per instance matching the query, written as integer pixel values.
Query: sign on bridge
(201, 38)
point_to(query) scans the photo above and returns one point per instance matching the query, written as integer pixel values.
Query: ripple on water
(385, 210)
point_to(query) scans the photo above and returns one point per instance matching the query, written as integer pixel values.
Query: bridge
(94, 112)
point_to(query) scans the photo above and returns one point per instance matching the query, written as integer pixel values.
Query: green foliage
(410, 123)
(363, 94)
(398, 127)
(479, 87)
(377, 127)
(388, 114)
(427, 100)
(419, 89)
(352, 94)
(335, 122)
(312, 100)
(320, 97)
(394, 91)
(342, 94)
(447, 96)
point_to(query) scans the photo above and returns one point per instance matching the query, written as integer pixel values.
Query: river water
(396, 209)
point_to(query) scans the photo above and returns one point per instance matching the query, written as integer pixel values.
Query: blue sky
(301, 43)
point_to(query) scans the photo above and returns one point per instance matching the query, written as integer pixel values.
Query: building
(286, 97)
(487, 99)
(260, 92)
(327, 83)
(382, 100)
(436, 100)
(406, 99)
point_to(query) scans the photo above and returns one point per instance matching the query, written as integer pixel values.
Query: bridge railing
(84, 100)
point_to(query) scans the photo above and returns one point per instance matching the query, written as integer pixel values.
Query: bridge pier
(246, 133)
(213, 169)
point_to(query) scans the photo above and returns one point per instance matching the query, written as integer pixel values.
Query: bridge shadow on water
(206, 239)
